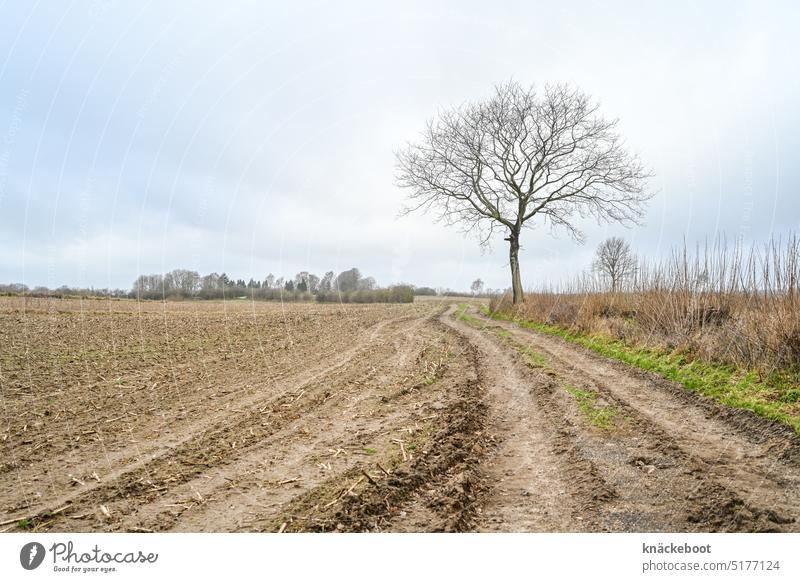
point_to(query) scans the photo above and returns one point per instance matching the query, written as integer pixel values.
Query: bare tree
(210, 281)
(182, 281)
(476, 287)
(615, 260)
(499, 163)
(367, 284)
(327, 281)
(313, 283)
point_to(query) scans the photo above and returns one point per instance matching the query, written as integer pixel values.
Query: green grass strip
(774, 397)
(600, 416)
(466, 317)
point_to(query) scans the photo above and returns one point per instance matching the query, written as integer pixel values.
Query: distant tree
(476, 287)
(18, 288)
(139, 286)
(326, 284)
(522, 156)
(279, 283)
(424, 291)
(301, 281)
(168, 284)
(615, 261)
(347, 280)
(210, 282)
(146, 286)
(289, 286)
(313, 283)
(269, 281)
(367, 284)
(182, 281)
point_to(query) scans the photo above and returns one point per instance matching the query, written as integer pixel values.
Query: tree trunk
(516, 281)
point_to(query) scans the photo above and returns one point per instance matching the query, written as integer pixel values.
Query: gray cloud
(260, 139)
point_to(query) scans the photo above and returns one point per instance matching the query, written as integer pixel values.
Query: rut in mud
(633, 452)
(382, 418)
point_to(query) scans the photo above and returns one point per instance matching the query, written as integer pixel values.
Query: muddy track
(670, 460)
(425, 419)
(538, 481)
(440, 490)
(440, 419)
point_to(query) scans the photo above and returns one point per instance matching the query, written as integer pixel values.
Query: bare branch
(503, 161)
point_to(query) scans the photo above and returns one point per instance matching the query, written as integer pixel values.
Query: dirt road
(588, 444)
(407, 418)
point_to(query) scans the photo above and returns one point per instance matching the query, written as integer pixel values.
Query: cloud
(261, 139)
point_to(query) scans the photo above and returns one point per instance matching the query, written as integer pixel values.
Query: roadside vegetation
(722, 320)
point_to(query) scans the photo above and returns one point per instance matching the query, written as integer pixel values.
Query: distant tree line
(347, 287)
(476, 289)
(63, 291)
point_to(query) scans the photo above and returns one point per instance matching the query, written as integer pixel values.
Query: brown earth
(242, 416)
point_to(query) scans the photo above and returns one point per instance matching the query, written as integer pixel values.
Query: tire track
(677, 466)
(343, 418)
(441, 490)
(538, 478)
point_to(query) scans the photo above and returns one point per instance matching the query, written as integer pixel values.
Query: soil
(241, 416)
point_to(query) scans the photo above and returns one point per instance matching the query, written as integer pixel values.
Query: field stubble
(218, 416)
(242, 416)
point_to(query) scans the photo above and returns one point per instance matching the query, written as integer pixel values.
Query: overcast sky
(257, 137)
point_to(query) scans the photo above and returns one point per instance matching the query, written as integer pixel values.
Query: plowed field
(242, 416)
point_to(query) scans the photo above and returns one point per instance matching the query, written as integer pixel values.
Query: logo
(31, 555)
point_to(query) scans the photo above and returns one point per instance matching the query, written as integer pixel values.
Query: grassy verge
(776, 397)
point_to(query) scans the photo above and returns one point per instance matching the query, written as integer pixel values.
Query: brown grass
(723, 303)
